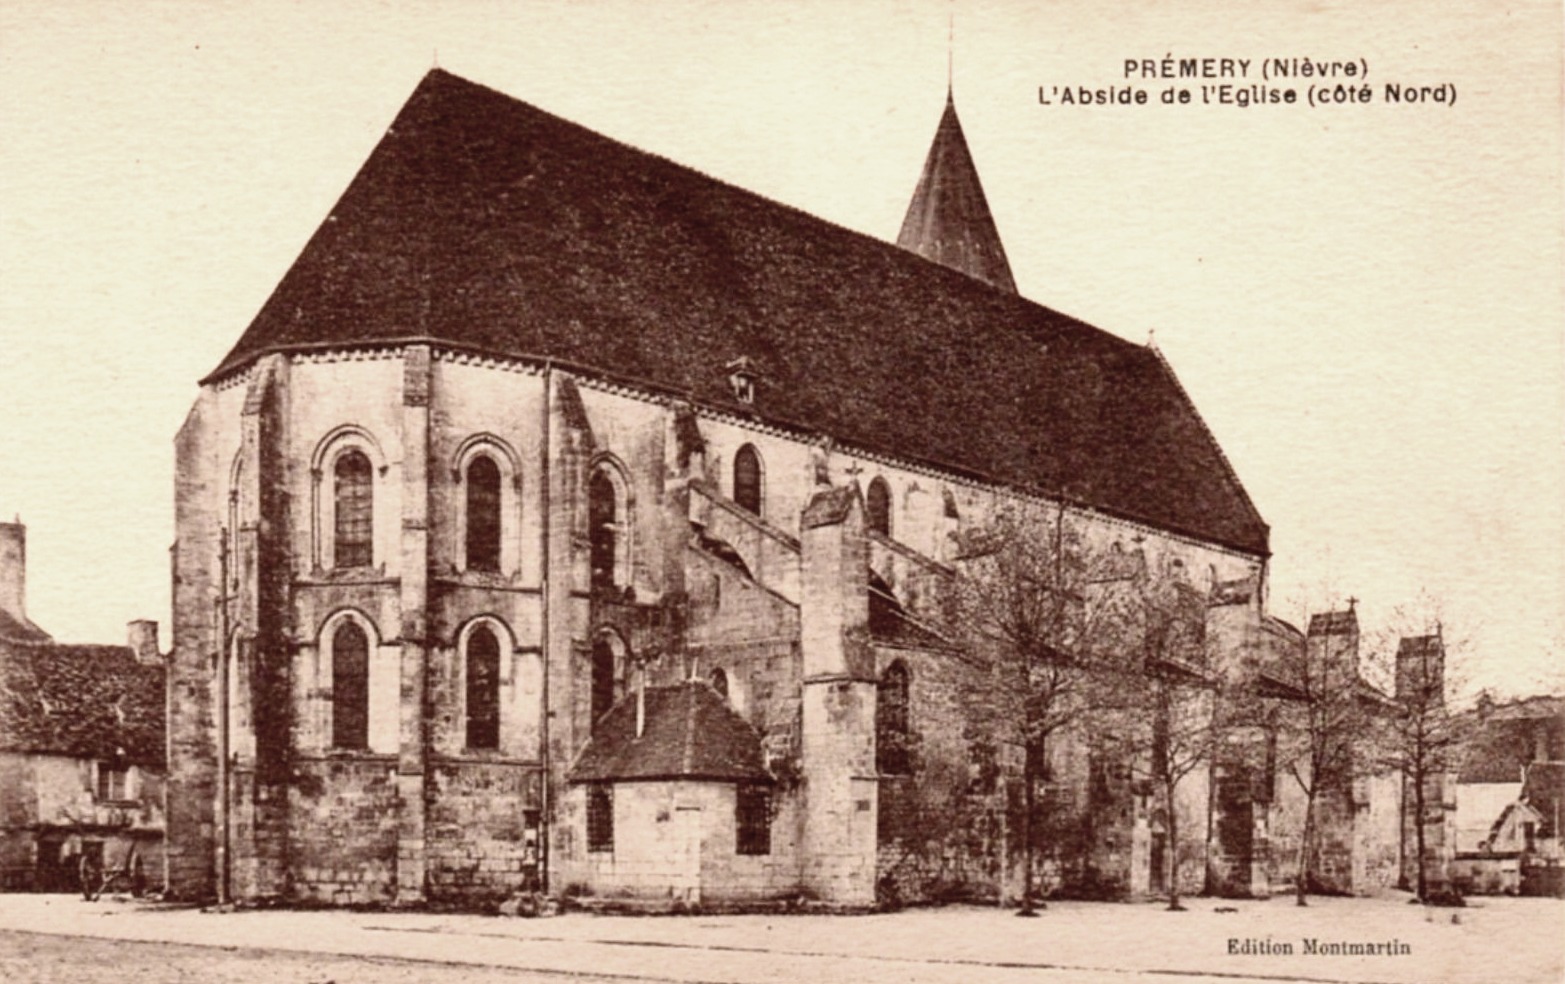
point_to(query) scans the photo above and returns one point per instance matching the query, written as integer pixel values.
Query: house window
(603, 528)
(891, 721)
(747, 479)
(349, 687)
(483, 689)
(483, 514)
(605, 683)
(113, 782)
(600, 818)
(877, 507)
(354, 513)
(753, 819)
(720, 682)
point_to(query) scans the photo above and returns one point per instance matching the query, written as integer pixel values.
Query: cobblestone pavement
(1511, 940)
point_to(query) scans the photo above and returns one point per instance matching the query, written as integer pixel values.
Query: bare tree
(1020, 605)
(1426, 735)
(1171, 708)
(1330, 742)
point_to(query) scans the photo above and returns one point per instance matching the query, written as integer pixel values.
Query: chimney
(13, 570)
(142, 637)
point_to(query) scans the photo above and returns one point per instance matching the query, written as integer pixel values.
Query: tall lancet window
(877, 506)
(603, 528)
(483, 689)
(892, 730)
(747, 479)
(483, 514)
(353, 479)
(350, 692)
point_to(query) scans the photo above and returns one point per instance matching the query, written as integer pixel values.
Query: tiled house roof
(1513, 738)
(690, 733)
(484, 224)
(83, 701)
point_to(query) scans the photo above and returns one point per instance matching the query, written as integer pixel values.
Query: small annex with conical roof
(949, 220)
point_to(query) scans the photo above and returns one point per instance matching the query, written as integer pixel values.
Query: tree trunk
(1418, 833)
(1027, 838)
(1171, 860)
(1302, 874)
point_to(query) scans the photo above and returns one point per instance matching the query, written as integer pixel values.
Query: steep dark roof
(84, 701)
(690, 733)
(482, 223)
(13, 629)
(948, 220)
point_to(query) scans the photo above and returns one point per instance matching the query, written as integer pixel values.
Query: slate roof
(13, 629)
(948, 220)
(690, 733)
(83, 701)
(484, 224)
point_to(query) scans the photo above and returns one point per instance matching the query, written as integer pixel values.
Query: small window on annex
(753, 819)
(720, 682)
(483, 689)
(747, 479)
(483, 514)
(877, 507)
(600, 818)
(350, 687)
(353, 487)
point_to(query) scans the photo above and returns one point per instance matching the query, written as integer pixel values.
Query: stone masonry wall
(343, 838)
(481, 830)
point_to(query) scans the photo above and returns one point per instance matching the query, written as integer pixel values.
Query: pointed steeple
(948, 220)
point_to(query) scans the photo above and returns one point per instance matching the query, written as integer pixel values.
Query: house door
(687, 854)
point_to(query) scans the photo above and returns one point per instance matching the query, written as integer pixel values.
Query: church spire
(948, 220)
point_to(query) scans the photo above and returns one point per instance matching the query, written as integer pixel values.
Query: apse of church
(599, 581)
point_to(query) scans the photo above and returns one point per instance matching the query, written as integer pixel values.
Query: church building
(568, 520)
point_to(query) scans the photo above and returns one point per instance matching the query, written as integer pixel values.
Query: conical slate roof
(948, 220)
(482, 224)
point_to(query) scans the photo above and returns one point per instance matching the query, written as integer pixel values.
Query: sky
(1365, 301)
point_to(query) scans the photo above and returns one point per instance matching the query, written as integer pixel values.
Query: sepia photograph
(901, 491)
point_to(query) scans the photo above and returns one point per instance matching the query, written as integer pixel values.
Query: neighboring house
(570, 519)
(1506, 825)
(81, 745)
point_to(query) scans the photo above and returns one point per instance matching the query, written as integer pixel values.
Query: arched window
(355, 508)
(603, 528)
(877, 507)
(720, 682)
(350, 692)
(891, 721)
(483, 514)
(483, 689)
(605, 682)
(747, 479)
